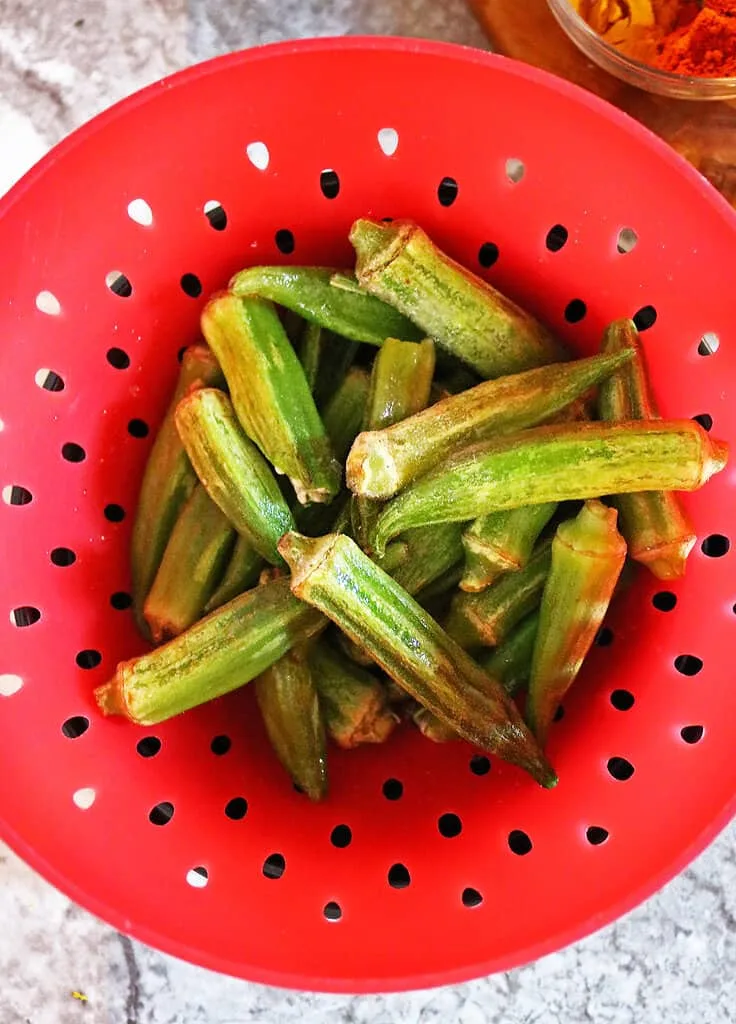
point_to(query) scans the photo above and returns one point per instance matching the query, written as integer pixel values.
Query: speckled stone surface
(672, 959)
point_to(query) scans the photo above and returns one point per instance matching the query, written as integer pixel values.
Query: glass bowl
(634, 72)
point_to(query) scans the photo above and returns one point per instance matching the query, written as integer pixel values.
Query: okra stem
(241, 574)
(466, 316)
(382, 463)
(334, 575)
(558, 463)
(353, 701)
(233, 471)
(502, 542)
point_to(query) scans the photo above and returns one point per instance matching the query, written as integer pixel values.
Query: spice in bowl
(696, 38)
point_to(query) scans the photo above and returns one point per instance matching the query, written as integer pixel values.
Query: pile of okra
(390, 494)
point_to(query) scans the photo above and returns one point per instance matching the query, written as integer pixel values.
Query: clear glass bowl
(665, 83)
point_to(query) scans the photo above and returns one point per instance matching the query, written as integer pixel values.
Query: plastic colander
(426, 864)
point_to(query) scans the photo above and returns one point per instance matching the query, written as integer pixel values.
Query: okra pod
(487, 618)
(221, 652)
(168, 479)
(240, 575)
(559, 463)
(511, 661)
(588, 554)
(431, 553)
(657, 530)
(233, 471)
(338, 356)
(270, 393)
(310, 353)
(382, 463)
(344, 413)
(193, 564)
(334, 575)
(350, 312)
(353, 701)
(289, 704)
(398, 263)
(502, 542)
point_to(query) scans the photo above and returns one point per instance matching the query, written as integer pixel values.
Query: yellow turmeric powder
(638, 28)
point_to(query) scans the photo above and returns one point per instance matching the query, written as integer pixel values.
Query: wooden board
(704, 133)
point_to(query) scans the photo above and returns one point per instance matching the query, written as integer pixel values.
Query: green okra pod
(194, 562)
(344, 413)
(511, 661)
(311, 344)
(221, 652)
(353, 701)
(656, 527)
(588, 554)
(558, 463)
(289, 705)
(384, 462)
(270, 393)
(233, 471)
(431, 553)
(487, 618)
(350, 312)
(502, 542)
(398, 263)
(241, 574)
(168, 479)
(334, 575)
(338, 356)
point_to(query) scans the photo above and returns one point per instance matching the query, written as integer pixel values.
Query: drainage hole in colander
(622, 700)
(161, 814)
(664, 601)
(84, 798)
(627, 240)
(138, 428)
(557, 237)
(692, 733)
(471, 898)
(447, 191)
(388, 140)
(46, 302)
(520, 843)
(25, 615)
(118, 358)
(274, 865)
(215, 214)
(121, 600)
(449, 825)
(393, 789)
(198, 877)
(479, 764)
(284, 241)
(515, 170)
(14, 494)
(329, 182)
(220, 745)
(118, 283)
(341, 836)
(237, 808)
(73, 452)
(258, 154)
(704, 419)
(88, 658)
(559, 713)
(75, 727)
(575, 311)
(399, 877)
(62, 557)
(10, 684)
(620, 769)
(114, 513)
(488, 254)
(332, 911)
(149, 746)
(140, 212)
(709, 344)
(715, 546)
(191, 285)
(645, 318)
(48, 380)
(688, 664)
(596, 835)
(604, 637)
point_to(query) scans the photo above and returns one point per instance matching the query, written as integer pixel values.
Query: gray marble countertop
(671, 959)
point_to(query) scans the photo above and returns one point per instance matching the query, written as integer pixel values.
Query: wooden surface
(704, 133)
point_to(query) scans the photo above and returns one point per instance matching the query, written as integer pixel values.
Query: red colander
(427, 864)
